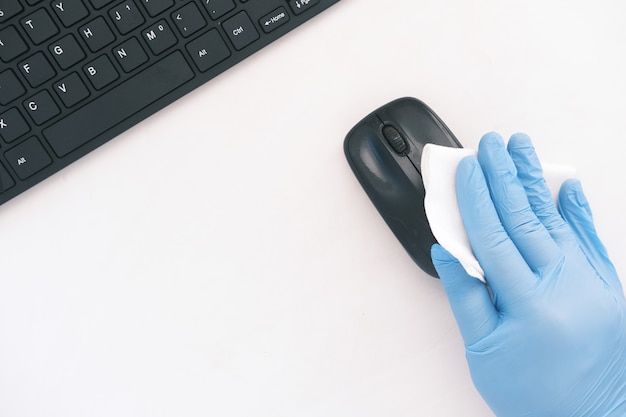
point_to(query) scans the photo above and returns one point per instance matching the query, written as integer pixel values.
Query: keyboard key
(208, 50)
(188, 20)
(130, 55)
(113, 107)
(301, 6)
(12, 125)
(9, 8)
(159, 37)
(274, 19)
(39, 26)
(218, 8)
(126, 17)
(28, 157)
(154, 7)
(10, 87)
(69, 11)
(97, 34)
(240, 30)
(36, 69)
(6, 181)
(11, 44)
(101, 72)
(66, 51)
(41, 107)
(71, 90)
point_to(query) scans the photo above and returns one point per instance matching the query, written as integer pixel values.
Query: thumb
(469, 298)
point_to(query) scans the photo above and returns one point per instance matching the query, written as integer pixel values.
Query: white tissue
(439, 165)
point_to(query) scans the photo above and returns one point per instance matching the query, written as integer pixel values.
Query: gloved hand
(547, 335)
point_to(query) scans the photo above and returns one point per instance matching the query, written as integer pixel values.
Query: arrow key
(188, 20)
(301, 6)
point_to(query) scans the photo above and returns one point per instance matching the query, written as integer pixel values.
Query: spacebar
(118, 104)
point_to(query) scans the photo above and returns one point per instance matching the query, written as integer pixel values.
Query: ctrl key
(27, 158)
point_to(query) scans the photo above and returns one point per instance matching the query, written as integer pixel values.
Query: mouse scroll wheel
(395, 139)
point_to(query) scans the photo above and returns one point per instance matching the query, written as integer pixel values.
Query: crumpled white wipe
(439, 164)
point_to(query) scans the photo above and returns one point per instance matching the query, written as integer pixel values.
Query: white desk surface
(220, 259)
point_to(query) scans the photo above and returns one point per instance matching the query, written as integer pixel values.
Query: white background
(220, 259)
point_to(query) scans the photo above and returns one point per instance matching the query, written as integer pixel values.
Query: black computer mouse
(384, 151)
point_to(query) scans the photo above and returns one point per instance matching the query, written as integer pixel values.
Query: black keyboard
(76, 73)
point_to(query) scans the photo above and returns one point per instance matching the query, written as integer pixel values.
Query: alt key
(28, 158)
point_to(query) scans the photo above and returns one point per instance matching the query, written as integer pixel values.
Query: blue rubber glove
(547, 335)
